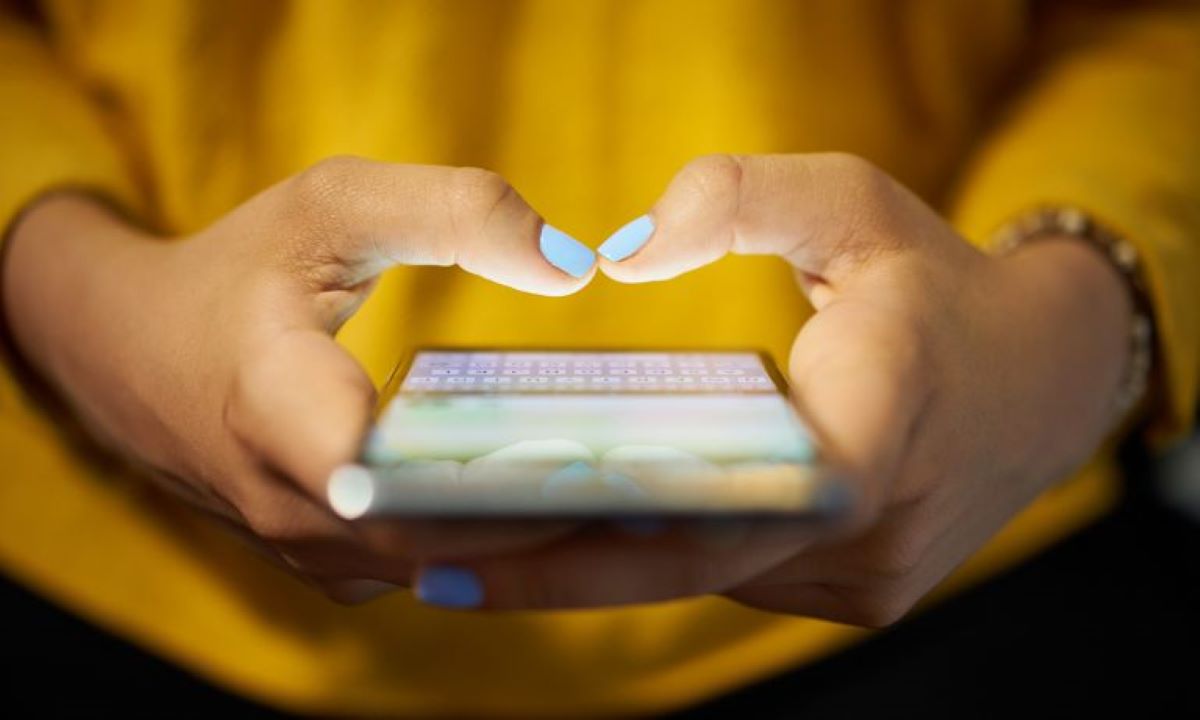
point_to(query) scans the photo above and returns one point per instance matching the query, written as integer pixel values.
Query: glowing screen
(556, 432)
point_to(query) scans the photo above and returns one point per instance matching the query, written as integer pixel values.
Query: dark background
(1106, 622)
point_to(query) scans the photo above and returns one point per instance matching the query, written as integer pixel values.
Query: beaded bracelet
(1073, 222)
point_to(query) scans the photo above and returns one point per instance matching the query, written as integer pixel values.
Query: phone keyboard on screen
(587, 372)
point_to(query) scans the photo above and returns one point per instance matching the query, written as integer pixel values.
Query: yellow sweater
(182, 110)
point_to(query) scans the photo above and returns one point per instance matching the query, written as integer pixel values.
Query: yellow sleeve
(52, 135)
(1108, 120)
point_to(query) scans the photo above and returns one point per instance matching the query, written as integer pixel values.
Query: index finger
(371, 215)
(601, 569)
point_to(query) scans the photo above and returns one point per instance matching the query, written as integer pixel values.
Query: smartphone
(472, 433)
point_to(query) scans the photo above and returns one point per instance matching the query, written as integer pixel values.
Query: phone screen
(517, 432)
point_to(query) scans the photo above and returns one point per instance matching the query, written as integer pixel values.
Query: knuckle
(858, 174)
(477, 199)
(478, 193)
(717, 175)
(480, 183)
(713, 185)
(893, 551)
(271, 526)
(319, 192)
(872, 608)
(883, 611)
(868, 202)
(281, 521)
(886, 594)
(326, 177)
(898, 561)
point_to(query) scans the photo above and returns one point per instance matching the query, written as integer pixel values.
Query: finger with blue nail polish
(447, 586)
(628, 240)
(565, 252)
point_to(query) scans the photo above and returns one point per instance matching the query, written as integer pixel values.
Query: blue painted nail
(628, 240)
(565, 252)
(449, 587)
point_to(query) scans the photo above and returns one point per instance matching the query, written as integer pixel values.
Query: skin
(954, 386)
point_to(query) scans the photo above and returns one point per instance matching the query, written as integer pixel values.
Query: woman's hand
(211, 359)
(954, 386)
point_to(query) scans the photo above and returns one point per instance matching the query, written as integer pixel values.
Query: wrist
(1077, 315)
(1084, 275)
(1121, 256)
(62, 260)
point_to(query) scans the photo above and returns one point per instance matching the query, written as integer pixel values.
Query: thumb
(350, 218)
(859, 379)
(819, 212)
(301, 403)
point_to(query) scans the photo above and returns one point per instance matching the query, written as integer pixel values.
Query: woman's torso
(588, 108)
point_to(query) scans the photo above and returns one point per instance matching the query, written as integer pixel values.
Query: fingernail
(565, 252)
(628, 240)
(351, 491)
(449, 587)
